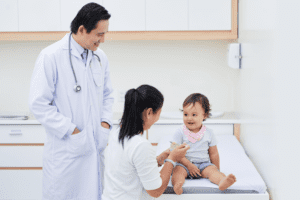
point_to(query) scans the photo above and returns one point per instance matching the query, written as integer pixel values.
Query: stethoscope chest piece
(77, 88)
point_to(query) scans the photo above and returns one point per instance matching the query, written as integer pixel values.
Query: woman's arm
(165, 174)
(161, 158)
(214, 156)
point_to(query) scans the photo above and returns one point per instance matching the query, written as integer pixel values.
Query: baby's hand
(193, 169)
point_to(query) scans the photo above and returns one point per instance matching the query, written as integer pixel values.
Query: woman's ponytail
(132, 119)
(136, 101)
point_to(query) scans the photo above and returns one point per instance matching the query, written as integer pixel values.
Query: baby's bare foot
(178, 188)
(226, 182)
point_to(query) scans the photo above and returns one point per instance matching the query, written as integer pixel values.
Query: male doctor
(75, 108)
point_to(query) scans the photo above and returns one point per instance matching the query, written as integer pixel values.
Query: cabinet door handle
(15, 132)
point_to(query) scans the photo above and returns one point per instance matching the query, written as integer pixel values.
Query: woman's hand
(179, 152)
(167, 152)
(193, 169)
(161, 158)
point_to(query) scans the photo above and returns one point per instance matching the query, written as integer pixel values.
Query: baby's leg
(178, 178)
(217, 177)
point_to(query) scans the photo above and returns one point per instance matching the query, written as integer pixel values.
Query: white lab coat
(72, 165)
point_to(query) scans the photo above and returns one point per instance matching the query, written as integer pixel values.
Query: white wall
(177, 68)
(268, 91)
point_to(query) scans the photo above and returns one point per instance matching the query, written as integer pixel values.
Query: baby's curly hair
(197, 97)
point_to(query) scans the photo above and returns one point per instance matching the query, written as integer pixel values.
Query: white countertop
(227, 118)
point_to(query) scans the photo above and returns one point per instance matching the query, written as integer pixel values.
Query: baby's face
(193, 116)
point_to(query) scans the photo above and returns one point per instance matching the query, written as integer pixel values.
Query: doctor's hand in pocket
(105, 125)
(102, 137)
(75, 131)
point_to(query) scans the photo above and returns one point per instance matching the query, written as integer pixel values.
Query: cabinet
(188, 15)
(210, 15)
(21, 153)
(21, 184)
(9, 15)
(21, 156)
(126, 15)
(39, 15)
(167, 15)
(131, 19)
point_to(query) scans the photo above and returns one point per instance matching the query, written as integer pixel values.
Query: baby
(202, 159)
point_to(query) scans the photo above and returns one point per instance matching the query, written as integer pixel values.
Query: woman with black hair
(130, 162)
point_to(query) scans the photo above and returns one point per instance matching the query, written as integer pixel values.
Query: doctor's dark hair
(136, 101)
(200, 98)
(88, 16)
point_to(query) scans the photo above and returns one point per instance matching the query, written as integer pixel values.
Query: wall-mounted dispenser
(234, 56)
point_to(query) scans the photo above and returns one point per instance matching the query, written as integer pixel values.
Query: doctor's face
(93, 39)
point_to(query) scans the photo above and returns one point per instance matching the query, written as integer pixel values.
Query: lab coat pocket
(78, 145)
(103, 138)
(97, 79)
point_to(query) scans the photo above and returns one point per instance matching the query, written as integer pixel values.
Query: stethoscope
(77, 88)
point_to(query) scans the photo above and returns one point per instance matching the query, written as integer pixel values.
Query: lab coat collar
(74, 50)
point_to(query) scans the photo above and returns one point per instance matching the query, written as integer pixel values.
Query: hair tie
(140, 95)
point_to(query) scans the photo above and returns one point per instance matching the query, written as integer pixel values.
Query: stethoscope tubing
(70, 57)
(77, 88)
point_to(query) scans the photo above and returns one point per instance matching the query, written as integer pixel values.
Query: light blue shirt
(198, 151)
(83, 52)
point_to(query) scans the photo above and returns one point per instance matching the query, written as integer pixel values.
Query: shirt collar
(77, 46)
(194, 137)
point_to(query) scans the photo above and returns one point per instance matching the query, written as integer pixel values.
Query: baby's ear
(205, 115)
